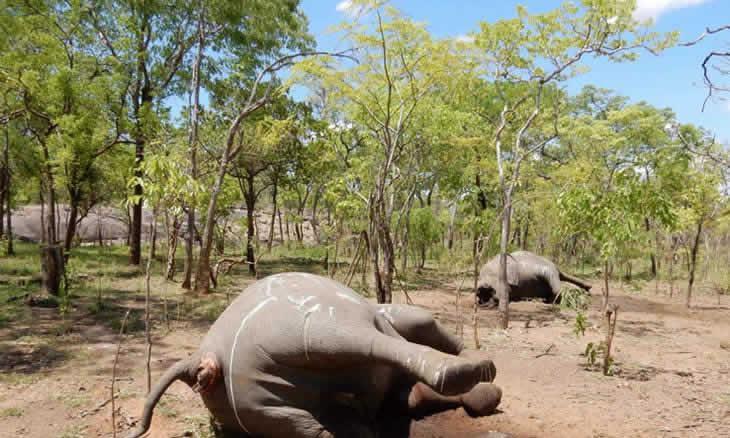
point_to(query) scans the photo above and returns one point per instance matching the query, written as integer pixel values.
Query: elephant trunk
(180, 370)
(576, 281)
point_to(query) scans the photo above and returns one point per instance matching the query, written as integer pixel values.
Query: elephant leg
(419, 326)
(328, 345)
(418, 400)
(447, 374)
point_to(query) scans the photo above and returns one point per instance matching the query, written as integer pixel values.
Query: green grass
(11, 412)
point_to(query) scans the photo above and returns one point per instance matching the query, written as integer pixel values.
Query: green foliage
(580, 324)
(424, 227)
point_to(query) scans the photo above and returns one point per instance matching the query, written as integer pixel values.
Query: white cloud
(464, 39)
(348, 8)
(646, 9)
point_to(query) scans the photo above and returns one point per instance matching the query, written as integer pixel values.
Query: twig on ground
(546, 352)
(98, 407)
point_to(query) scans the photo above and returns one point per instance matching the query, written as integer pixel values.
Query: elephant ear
(513, 271)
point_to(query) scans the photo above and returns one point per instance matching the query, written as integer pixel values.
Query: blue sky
(673, 79)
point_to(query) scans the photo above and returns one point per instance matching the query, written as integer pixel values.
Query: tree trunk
(693, 264)
(274, 189)
(281, 229)
(5, 175)
(172, 234)
(71, 226)
(422, 264)
(153, 241)
(502, 289)
(51, 268)
(51, 255)
(404, 245)
(671, 269)
(193, 147)
(452, 218)
(135, 241)
(9, 210)
(250, 197)
(604, 301)
(202, 275)
(314, 221)
(385, 242)
(652, 256)
(147, 324)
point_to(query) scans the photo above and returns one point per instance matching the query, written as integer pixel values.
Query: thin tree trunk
(172, 234)
(693, 264)
(153, 241)
(315, 222)
(281, 229)
(135, 243)
(193, 147)
(604, 301)
(71, 226)
(652, 256)
(6, 186)
(147, 325)
(250, 197)
(502, 288)
(671, 270)
(51, 255)
(475, 317)
(273, 215)
(9, 215)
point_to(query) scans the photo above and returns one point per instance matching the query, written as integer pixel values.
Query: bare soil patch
(671, 377)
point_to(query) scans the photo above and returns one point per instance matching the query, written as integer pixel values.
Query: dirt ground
(671, 376)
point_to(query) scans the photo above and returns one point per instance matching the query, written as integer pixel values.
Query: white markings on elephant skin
(307, 314)
(300, 302)
(245, 319)
(347, 297)
(385, 311)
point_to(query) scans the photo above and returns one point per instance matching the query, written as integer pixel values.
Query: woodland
(156, 157)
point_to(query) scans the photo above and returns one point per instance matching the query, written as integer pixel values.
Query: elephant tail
(576, 281)
(177, 371)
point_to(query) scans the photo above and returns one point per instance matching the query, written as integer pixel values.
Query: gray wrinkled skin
(304, 356)
(528, 275)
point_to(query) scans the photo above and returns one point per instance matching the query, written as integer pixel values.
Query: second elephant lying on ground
(528, 275)
(302, 356)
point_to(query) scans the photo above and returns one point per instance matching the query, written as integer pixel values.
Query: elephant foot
(482, 400)
(462, 377)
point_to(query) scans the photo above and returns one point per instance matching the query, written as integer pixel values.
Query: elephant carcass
(528, 276)
(298, 355)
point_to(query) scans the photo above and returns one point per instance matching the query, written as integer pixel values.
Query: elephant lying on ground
(302, 356)
(528, 275)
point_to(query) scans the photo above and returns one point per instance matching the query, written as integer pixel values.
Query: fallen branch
(546, 352)
(98, 407)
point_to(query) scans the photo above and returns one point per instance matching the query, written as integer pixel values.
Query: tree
(523, 58)
(54, 77)
(401, 65)
(701, 203)
(148, 41)
(613, 189)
